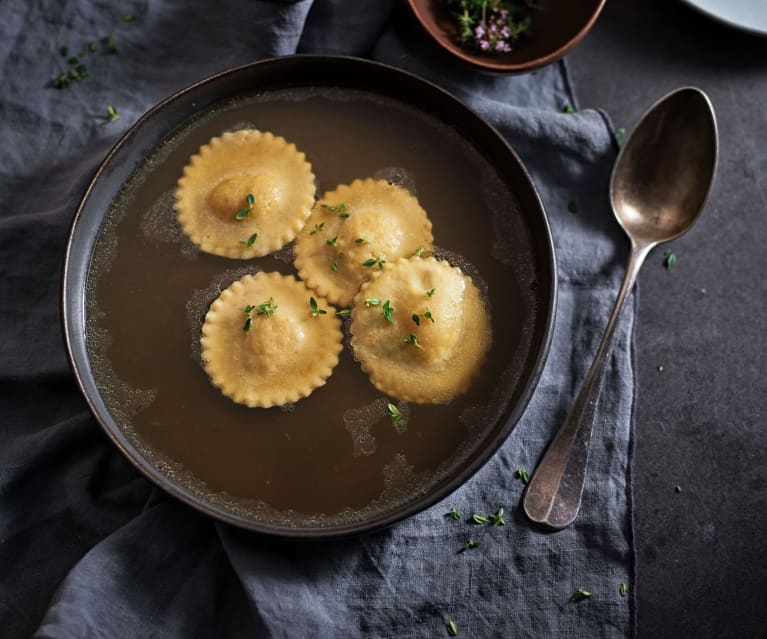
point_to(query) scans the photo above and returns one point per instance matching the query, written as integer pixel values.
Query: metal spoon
(659, 184)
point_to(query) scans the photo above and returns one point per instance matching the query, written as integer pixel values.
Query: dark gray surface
(701, 421)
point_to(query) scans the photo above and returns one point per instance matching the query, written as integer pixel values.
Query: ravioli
(264, 343)
(245, 194)
(420, 330)
(354, 231)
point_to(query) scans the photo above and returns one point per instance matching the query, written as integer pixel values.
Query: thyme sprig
(398, 420)
(316, 310)
(242, 214)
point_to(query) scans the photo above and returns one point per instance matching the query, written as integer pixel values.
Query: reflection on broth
(334, 457)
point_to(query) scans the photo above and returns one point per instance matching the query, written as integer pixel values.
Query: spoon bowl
(664, 171)
(659, 185)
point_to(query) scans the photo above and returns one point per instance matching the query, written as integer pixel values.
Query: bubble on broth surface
(201, 299)
(398, 473)
(458, 260)
(158, 222)
(397, 176)
(285, 254)
(124, 400)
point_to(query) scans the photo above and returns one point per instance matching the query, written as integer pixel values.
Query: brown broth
(149, 289)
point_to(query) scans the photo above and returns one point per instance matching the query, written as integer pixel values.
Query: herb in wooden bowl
(492, 26)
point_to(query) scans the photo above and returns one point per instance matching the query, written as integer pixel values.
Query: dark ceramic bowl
(204, 100)
(558, 25)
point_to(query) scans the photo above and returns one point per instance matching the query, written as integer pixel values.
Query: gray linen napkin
(89, 549)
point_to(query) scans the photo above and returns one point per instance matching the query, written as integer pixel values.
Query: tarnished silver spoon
(659, 184)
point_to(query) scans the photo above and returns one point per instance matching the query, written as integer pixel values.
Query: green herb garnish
(73, 60)
(572, 207)
(580, 594)
(478, 518)
(336, 208)
(64, 51)
(491, 27)
(243, 214)
(316, 310)
(387, 311)
(619, 135)
(78, 73)
(497, 518)
(623, 590)
(419, 251)
(267, 308)
(430, 293)
(669, 259)
(334, 266)
(412, 339)
(92, 47)
(112, 114)
(417, 318)
(109, 41)
(248, 310)
(568, 108)
(397, 418)
(317, 228)
(522, 474)
(372, 301)
(332, 241)
(452, 628)
(471, 545)
(453, 513)
(127, 18)
(380, 260)
(362, 240)
(62, 82)
(249, 242)
(344, 312)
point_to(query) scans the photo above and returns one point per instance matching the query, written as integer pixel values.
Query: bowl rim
(72, 311)
(501, 67)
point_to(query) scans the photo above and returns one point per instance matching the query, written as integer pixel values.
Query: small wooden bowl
(557, 27)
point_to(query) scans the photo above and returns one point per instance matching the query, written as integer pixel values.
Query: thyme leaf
(470, 545)
(453, 513)
(522, 474)
(250, 241)
(412, 339)
(397, 418)
(316, 310)
(267, 308)
(387, 311)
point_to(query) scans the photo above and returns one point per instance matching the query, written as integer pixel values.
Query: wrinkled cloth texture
(89, 548)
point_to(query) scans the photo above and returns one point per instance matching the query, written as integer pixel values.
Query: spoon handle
(553, 497)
